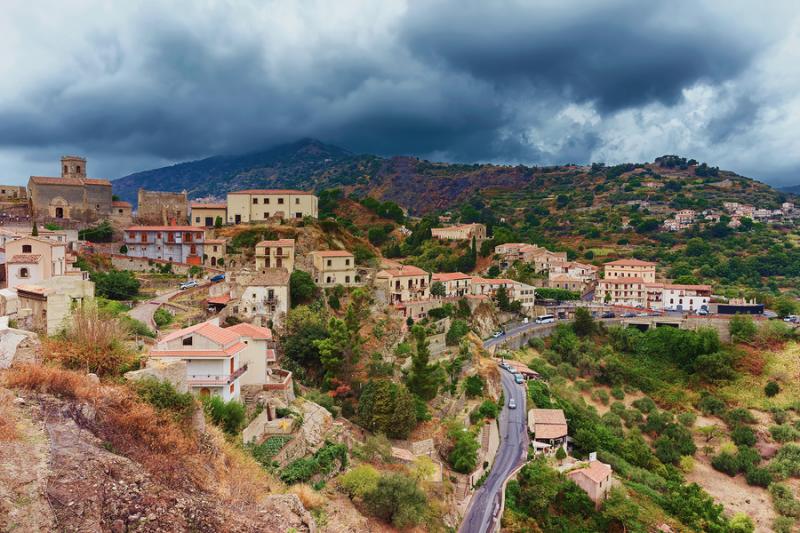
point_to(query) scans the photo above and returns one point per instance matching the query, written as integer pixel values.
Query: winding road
(144, 311)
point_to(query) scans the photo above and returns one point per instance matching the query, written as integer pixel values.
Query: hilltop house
(455, 284)
(403, 284)
(204, 215)
(461, 232)
(47, 305)
(265, 297)
(259, 354)
(275, 254)
(212, 355)
(594, 478)
(685, 297)
(334, 267)
(261, 204)
(630, 268)
(214, 252)
(178, 244)
(30, 260)
(632, 292)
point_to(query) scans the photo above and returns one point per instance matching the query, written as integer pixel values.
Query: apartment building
(456, 284)
(405, 283)
(576, 270)
(177, 244)
(275, 254)
(630, 268)
(256, 205)
(622, 291)
(205, 215)
(30, 260)
(258, 355)
(265, 297)
(676, 297)
(334, 267)
(212, 355)
(461, 232)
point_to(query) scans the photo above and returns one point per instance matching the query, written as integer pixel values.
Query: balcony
(215, 379)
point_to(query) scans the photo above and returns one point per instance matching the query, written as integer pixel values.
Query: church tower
(73, 166)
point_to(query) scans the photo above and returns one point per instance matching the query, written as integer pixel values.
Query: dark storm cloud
(467, 81)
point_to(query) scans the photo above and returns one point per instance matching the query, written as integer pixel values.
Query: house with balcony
(456, 284)
(176, 244)
(403, 284)
(677, 297)
(275, 254)
(213, 358)
(265, 297)
(548, 429)
(334, 267)
(631, 292)
(259, 354)
(29, 260)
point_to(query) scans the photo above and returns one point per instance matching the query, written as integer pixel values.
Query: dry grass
(239, 477)
(51, 380)
(8, 420)
(94, 342)
(783, 366)
(311, 499)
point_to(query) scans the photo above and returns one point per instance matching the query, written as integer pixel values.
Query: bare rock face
(484, 320)
(172, 371)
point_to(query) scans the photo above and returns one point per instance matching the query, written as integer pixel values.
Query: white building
(265, 297)
(456, 284)
(259, 354)
(685, 297)
(212, 355)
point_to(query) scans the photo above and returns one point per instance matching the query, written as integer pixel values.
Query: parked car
(512, 403)
(628, 314)
(497, 334)
(702, 311)
(792, 318)
(188, 284)
(519, 378)
(608, 314)
(217, 278)
(503, 364)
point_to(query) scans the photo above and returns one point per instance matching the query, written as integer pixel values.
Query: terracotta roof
(687, 287)
(278, 242)
(198, 205)
(215, 241)
(78, 182)
(249, 330)
(24, 258)
(206, 329)
(225, 298)
(547, 416)
(403, 270)
(596, 471)
(164, 228)
(120, 203)
(332, 253)
(547, 423)
(227, 352)
(269, 278)
(492, 281)
(630, 262)
(35, 289)
(564, 277)
(549, 431)
(449, 276)
(267, 192)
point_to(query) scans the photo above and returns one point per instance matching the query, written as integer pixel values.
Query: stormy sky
(138, 85)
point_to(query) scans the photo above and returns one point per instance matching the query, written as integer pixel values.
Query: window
(27, 248)
(347, 262)
(266, 201)
(297, 200)
(120, 211)
(215, 247)
(280, 200)
(187, 341)
(347, 279)
(65, 169)
(79, 169)
(197, 219)
(329, 262)
(255, 201)
(23, 273)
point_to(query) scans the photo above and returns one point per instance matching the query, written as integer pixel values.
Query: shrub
(162, 317)
(771, 389)
(115, 285)
(739, 415)
(711, 405)
(784, 501)
(473, 386)
(687, 418)
(602, 396)
(783, 524)
(645, 405)
(229, 416)
(743, 436)
(784, 433)
(463, 456)
(323, 461)
(618, 393)
(359, 481)
(458, 328)
(686, 463)
(726, 462)
(760, 477)
(397, 499)
(163, 395)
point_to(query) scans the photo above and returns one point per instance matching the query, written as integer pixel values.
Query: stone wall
(172, 371)
(158, 207)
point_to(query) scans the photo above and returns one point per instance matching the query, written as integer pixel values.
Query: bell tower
(73, 166)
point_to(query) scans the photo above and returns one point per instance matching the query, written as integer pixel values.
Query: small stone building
(157, 207)
(72, 196)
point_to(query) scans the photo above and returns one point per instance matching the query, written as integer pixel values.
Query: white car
(497, 334)
(512, 403)
(188, 284)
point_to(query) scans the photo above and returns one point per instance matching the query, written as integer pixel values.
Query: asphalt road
(483, 511)
(144, 311)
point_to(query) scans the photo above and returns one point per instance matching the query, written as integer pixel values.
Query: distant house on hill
(549, 430)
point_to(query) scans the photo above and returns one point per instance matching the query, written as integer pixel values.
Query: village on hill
(395, 371)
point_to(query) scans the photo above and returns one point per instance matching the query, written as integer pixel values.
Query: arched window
(23, 273)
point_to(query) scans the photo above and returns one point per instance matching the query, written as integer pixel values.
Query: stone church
(72, 196)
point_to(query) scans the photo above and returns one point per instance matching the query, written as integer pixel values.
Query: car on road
(217, 278)
(629, 314)
(702, 311)
(503, 364)
(512, 403)
(608, 314)
(519, 378)
(792, 318)
(188, 284)
(497, 334)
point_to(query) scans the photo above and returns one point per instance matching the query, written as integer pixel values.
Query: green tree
(115, 284)
(304, 327)
(35, 230)
(387, 407)
(423, 379)
(458, 329)
(463, 456)
(230, 416)
(123, 249)
(302, 288)
(619, 509)
(584, 324)
(474, 386)
(359, 481)
(742, 328)
(561, 454)
(785, 306)
(502, 299)
(397, 499)
(218, 222)
(438, 289)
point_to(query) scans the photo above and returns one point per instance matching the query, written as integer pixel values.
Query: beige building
(630, 268)
(30, 260)
(72, 196)
(461, 232)
(456, 284)
(11, 193)
(205, 215)
(334, 267)
(159, 207)
(275, 254)
(265, 297)
(405, 283)
(257, 205)
(632, 292)
(122, 213)
(549, 430)
(541, 258)
(595, 480)
(259, 354)
(214, 252)
(46, 306)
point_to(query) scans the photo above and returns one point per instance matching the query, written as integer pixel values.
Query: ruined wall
(156, 207)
